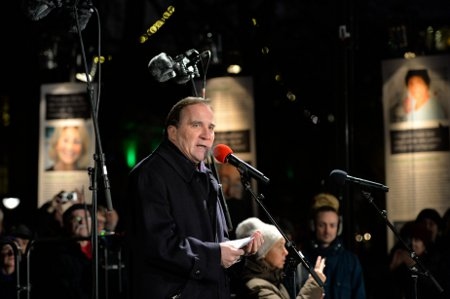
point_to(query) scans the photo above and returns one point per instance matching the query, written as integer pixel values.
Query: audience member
(408, 278)
(262, 274)
(67, 263)
(239, 202)
(22, 234)
(446, 231)
(179, 243)
(9, 251)
(106, 220)
(2, 222)
(50, 214)
(432, 220)
(344, 273)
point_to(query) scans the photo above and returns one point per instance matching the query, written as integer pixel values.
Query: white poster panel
(66, 141)
(416, 94)
(233, 104)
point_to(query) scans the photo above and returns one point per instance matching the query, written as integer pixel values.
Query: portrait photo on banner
(67, 141)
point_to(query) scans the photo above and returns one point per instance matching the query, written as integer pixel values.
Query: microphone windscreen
(221, 151)
(339, 176)
(161, 67)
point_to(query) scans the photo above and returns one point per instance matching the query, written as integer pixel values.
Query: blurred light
(409, 55)
(131, 152)
(291, 96)
(367, 236)
(265, 50)
(11, 202)
(234, 69)
(358, 238)
(331, 118)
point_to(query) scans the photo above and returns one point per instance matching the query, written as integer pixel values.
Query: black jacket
(175, 225)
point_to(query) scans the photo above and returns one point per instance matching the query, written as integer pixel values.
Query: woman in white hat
(262, 274)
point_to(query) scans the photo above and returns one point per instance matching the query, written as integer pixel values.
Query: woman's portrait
(69, 148)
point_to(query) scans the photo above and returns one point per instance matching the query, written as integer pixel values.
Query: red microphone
(224, 154)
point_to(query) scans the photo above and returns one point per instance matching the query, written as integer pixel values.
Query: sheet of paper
(239, 243)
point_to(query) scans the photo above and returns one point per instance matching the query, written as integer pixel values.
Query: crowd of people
(175, 240)
(53, 257)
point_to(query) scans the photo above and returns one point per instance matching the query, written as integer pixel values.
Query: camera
(68, 196)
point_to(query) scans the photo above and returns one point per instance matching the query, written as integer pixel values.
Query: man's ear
(171, 131)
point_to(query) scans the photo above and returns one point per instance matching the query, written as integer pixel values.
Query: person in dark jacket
(63, 268)
(178, 236)
(343, 269)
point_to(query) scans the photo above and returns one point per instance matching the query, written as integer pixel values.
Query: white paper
(239, 243)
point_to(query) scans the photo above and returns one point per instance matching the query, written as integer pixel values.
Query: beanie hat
(270, 233)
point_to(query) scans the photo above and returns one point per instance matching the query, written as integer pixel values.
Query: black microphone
(39, 9)
(182, 68)
(341, 176)
(224, 154)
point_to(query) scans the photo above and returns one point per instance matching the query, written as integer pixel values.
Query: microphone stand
(99, 156)
(296, 255)
(418, 268)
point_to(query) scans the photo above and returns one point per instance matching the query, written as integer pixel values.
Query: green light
(130, 152)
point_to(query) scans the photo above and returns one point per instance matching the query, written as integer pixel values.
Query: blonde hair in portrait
(69, 147)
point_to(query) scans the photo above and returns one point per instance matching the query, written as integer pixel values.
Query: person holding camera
(68, 260)
(50, 214)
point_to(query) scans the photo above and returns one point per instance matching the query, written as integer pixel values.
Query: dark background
(337, 79)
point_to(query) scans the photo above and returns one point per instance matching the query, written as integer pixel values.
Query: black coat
(175, 225)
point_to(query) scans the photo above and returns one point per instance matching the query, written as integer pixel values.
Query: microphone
(341, 176)
(39, 9)
(224, 154)
(183, 67)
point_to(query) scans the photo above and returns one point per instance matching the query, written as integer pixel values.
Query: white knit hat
(270, 233)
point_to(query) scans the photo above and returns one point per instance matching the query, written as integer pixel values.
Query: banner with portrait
(66, 140)
(416, 97)
(233, 104)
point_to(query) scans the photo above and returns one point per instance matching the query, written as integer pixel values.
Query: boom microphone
(63, 11)
(224, 154)
(341, 176)
(183, 67)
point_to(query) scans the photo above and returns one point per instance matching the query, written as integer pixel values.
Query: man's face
(326, 226)
(80, 223)
(194, 135)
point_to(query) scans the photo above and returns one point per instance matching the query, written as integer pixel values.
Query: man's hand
(230, 254)
(255, 243)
